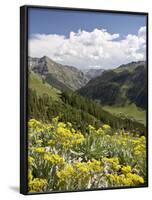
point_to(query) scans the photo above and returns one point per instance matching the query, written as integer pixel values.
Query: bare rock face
(54, 72)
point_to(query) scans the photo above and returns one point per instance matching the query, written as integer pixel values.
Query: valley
(102, 99)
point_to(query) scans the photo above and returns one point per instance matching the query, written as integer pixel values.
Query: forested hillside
(53, 98)
(123, 85)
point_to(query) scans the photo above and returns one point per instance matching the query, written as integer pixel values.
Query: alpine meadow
(87, 101)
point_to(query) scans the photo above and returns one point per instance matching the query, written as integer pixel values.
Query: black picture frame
(24, 93)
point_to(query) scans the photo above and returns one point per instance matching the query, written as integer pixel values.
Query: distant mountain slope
(130, 66)
(42, 87)
(125, 84)
(46, 102)
(61, 76)
(92, 73)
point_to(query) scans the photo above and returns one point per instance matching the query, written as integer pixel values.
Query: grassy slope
(35, 82)
(129, 110)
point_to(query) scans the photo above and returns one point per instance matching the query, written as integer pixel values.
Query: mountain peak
(46, 59)
(57, 73)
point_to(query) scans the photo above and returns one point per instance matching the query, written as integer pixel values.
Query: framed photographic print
(84, 99)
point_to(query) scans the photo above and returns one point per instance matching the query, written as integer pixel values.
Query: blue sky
(62, 22)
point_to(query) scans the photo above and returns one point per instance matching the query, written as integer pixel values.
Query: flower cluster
(67, 138)
(128, 179)
(63, 158)
(54, 159)
(81, 174)
(37, 185)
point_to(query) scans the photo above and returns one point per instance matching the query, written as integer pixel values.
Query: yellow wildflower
(37, 184)
(126, 169)
(106, 127)
(53, 158)
(65, 173)
(30, 160)
(30, 176)
(40, 149)
(51, 142)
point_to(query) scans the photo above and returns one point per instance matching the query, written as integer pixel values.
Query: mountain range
(119, 86)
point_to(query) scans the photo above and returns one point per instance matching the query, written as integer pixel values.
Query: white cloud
(84, 49)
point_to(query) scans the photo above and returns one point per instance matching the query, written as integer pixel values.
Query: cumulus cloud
(94, 49)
